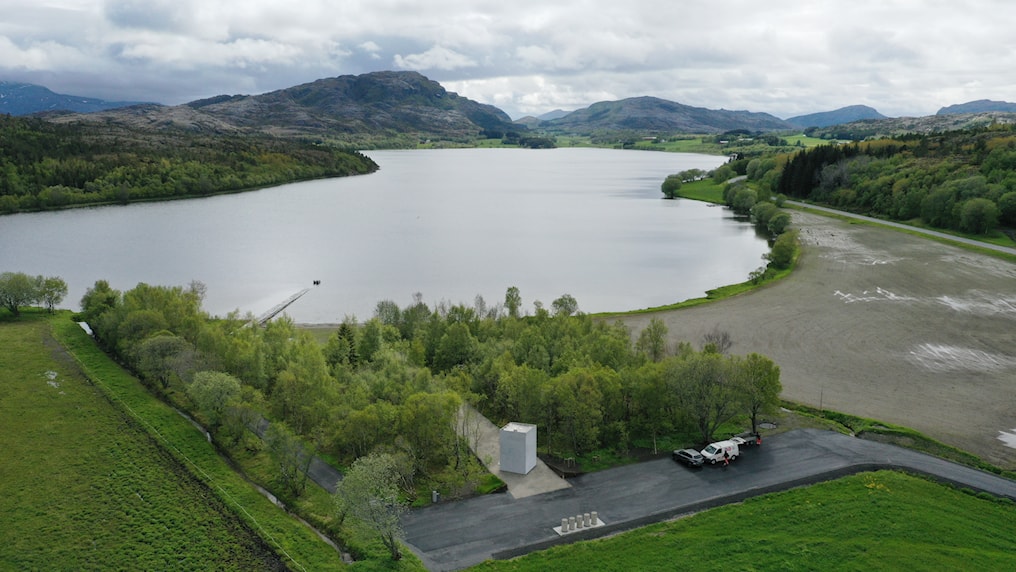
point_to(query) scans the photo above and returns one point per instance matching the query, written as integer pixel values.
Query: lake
(449, 224)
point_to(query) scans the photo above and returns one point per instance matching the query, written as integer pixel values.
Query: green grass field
(806, 141)
(82, 487)
(870, 521)
(705, 190)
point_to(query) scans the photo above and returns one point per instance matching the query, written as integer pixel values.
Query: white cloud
(787, 58)
(436, 58)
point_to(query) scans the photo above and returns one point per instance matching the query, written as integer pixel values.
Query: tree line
(959, 180)
(396, 381)
(46, 165)
(18, 290)
(391, 387)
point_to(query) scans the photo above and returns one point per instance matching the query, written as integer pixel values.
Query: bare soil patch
(886, 325)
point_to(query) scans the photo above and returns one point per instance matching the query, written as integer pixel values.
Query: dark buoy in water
(317, 282)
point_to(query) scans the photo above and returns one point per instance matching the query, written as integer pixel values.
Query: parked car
(689, 457)
(723, 451)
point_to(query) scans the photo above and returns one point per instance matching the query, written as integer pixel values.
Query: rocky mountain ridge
(26, 98)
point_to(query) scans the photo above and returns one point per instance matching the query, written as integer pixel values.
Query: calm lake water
(449, 224)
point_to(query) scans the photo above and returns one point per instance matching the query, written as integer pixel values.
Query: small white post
(585, 519)
(564, 524)
(595, 518)
(571, 523)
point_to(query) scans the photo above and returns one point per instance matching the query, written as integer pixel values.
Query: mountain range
(652, 114)
(836, 117)
(25, 98)
(979, 106)
(378, 104)
(404, 104)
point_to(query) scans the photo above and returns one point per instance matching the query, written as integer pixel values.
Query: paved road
(456, 535)
(954, 238)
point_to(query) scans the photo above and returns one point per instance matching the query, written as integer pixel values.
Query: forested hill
(899, 126)
(655, 114)
(46, 165)
(959, 180)
(378, 107)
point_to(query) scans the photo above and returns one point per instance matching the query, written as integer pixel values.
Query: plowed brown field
(882, 324)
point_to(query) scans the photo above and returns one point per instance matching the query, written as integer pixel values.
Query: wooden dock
(278, 308)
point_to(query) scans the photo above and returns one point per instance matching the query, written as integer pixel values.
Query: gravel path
(885, 325)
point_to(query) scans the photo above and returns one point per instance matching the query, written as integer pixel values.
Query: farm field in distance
(82, 487)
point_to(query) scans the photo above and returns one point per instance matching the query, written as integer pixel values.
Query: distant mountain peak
(378, 104)
(648, 113)
(26, 98)
(839, 116)
(978, 106)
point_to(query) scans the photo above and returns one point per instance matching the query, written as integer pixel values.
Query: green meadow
(81, 487)
(871, 521)
(86, 484)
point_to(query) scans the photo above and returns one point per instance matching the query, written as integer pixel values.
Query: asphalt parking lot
(456, 535)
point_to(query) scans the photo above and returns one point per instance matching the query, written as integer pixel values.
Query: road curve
(456, 535)
(935, 233)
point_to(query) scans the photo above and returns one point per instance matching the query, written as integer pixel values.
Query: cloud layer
(528, 57)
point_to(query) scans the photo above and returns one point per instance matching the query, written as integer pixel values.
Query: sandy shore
(886, 325)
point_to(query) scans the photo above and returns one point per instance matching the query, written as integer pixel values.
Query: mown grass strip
(870, 521)
(304, 550)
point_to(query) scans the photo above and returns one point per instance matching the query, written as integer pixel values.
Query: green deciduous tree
(17, 289)
(722, 174)
(670, 186)
(759, 381)
(427, 421)
(763, 212)
(566, 305)
(706, 388)
(652, 340)
(160, 357)
(1007, 209)
(513, 301)
(369, 493)
(937, 207)
(97, 300)
(779, 223)
(52, 290)
(784, 250)
(304, 388)
(291, 457)
(457, 347)
(978, 216)
(743, 199)
(214, 393)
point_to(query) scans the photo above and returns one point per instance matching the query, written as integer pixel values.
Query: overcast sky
(902, 57)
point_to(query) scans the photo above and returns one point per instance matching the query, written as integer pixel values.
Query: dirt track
(886, 325)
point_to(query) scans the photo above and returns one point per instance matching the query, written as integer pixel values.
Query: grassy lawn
(804, 140)
(298, 545)
(705, 190)
(83, 487)
(871, 521)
